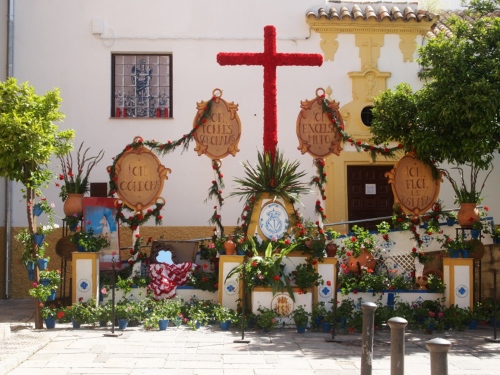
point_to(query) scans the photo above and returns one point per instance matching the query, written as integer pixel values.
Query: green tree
(455, 116)
(29, 139)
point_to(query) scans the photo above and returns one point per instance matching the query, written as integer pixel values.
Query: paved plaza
(210, 351)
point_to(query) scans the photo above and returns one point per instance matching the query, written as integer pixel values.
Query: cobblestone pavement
(207, 351)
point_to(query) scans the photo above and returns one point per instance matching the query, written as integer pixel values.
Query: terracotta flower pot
(230, 246)
(365, 259)
(73, 204)
(331, 250)
(465, 213)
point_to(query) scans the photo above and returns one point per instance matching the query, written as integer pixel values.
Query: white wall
(54, 47)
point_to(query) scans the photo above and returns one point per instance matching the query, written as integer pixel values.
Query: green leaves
(276, 175)
(29, 138)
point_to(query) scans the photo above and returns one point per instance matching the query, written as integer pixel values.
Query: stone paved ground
(208, 351)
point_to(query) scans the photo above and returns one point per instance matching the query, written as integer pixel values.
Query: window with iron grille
(142, 86)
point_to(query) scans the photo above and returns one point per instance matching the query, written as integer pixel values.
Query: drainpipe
(8, 183)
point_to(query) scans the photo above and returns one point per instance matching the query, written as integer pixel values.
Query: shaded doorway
(369, 194)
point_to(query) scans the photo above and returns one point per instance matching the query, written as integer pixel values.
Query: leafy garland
(319, 181)
(215, 190)
(408, 222)
(360, 146)
(161, 149)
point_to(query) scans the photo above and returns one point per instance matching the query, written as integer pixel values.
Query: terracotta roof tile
(442, 25)
(373, 10)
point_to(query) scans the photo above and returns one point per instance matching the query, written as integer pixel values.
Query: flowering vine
(215, 190)
(160, 149)
(360, 145)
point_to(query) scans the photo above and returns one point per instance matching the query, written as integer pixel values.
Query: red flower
(349, 254)
(276, 277)
(314, 262)
(329, 283)
(414, 250)
(254, 264)
(60, 314)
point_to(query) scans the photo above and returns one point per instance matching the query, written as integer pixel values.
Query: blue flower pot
(76, 323)
(475, 233)
(52, 297)
(224, 326)
(473, 324)
(42, 264)
(37, 209)
(450, 222)
(38, 239)
(326, 326)
(122, 323)
(31, 275)
(163, 324)
(465, 253)
(50, 322)
(454, 253)
(300, 328)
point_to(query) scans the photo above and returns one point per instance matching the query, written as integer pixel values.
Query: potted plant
(267, 318)
(76, 178)
(318, 314)
(81, 312)
(51, 313)
(88, 242)
(41, 292)
(301, 318)
(359, 249)
(197, 315)
(454, 246)
(104, 313)
(225, 316)
(305, 276)
(160, 312)
(51, 279)
(496, 235)
(266, 270)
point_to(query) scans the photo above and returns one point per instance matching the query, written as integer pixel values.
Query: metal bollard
(397, 326)
(439, 355)
(367, 337)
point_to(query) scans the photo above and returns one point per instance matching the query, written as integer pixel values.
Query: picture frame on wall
(100, 215)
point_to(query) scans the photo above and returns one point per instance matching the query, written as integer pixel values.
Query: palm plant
(272, 174)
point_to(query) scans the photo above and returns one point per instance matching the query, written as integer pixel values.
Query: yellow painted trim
(333, 262)
(452, 263)
(336, 169)
(330, 29)
(228, 259)
(94, 257)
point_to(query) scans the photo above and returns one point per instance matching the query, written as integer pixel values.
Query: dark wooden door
(369, 194)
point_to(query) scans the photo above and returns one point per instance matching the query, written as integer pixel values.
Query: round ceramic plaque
(273, 220)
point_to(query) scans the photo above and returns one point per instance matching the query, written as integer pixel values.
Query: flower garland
(360, 146)
(215, 190)
(136, 255)
(161, 149)
(408, 222)
(320, 181)
(139, 218)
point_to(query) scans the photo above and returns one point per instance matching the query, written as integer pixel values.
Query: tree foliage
(455, 116)
(29, 139)
(29, 136)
